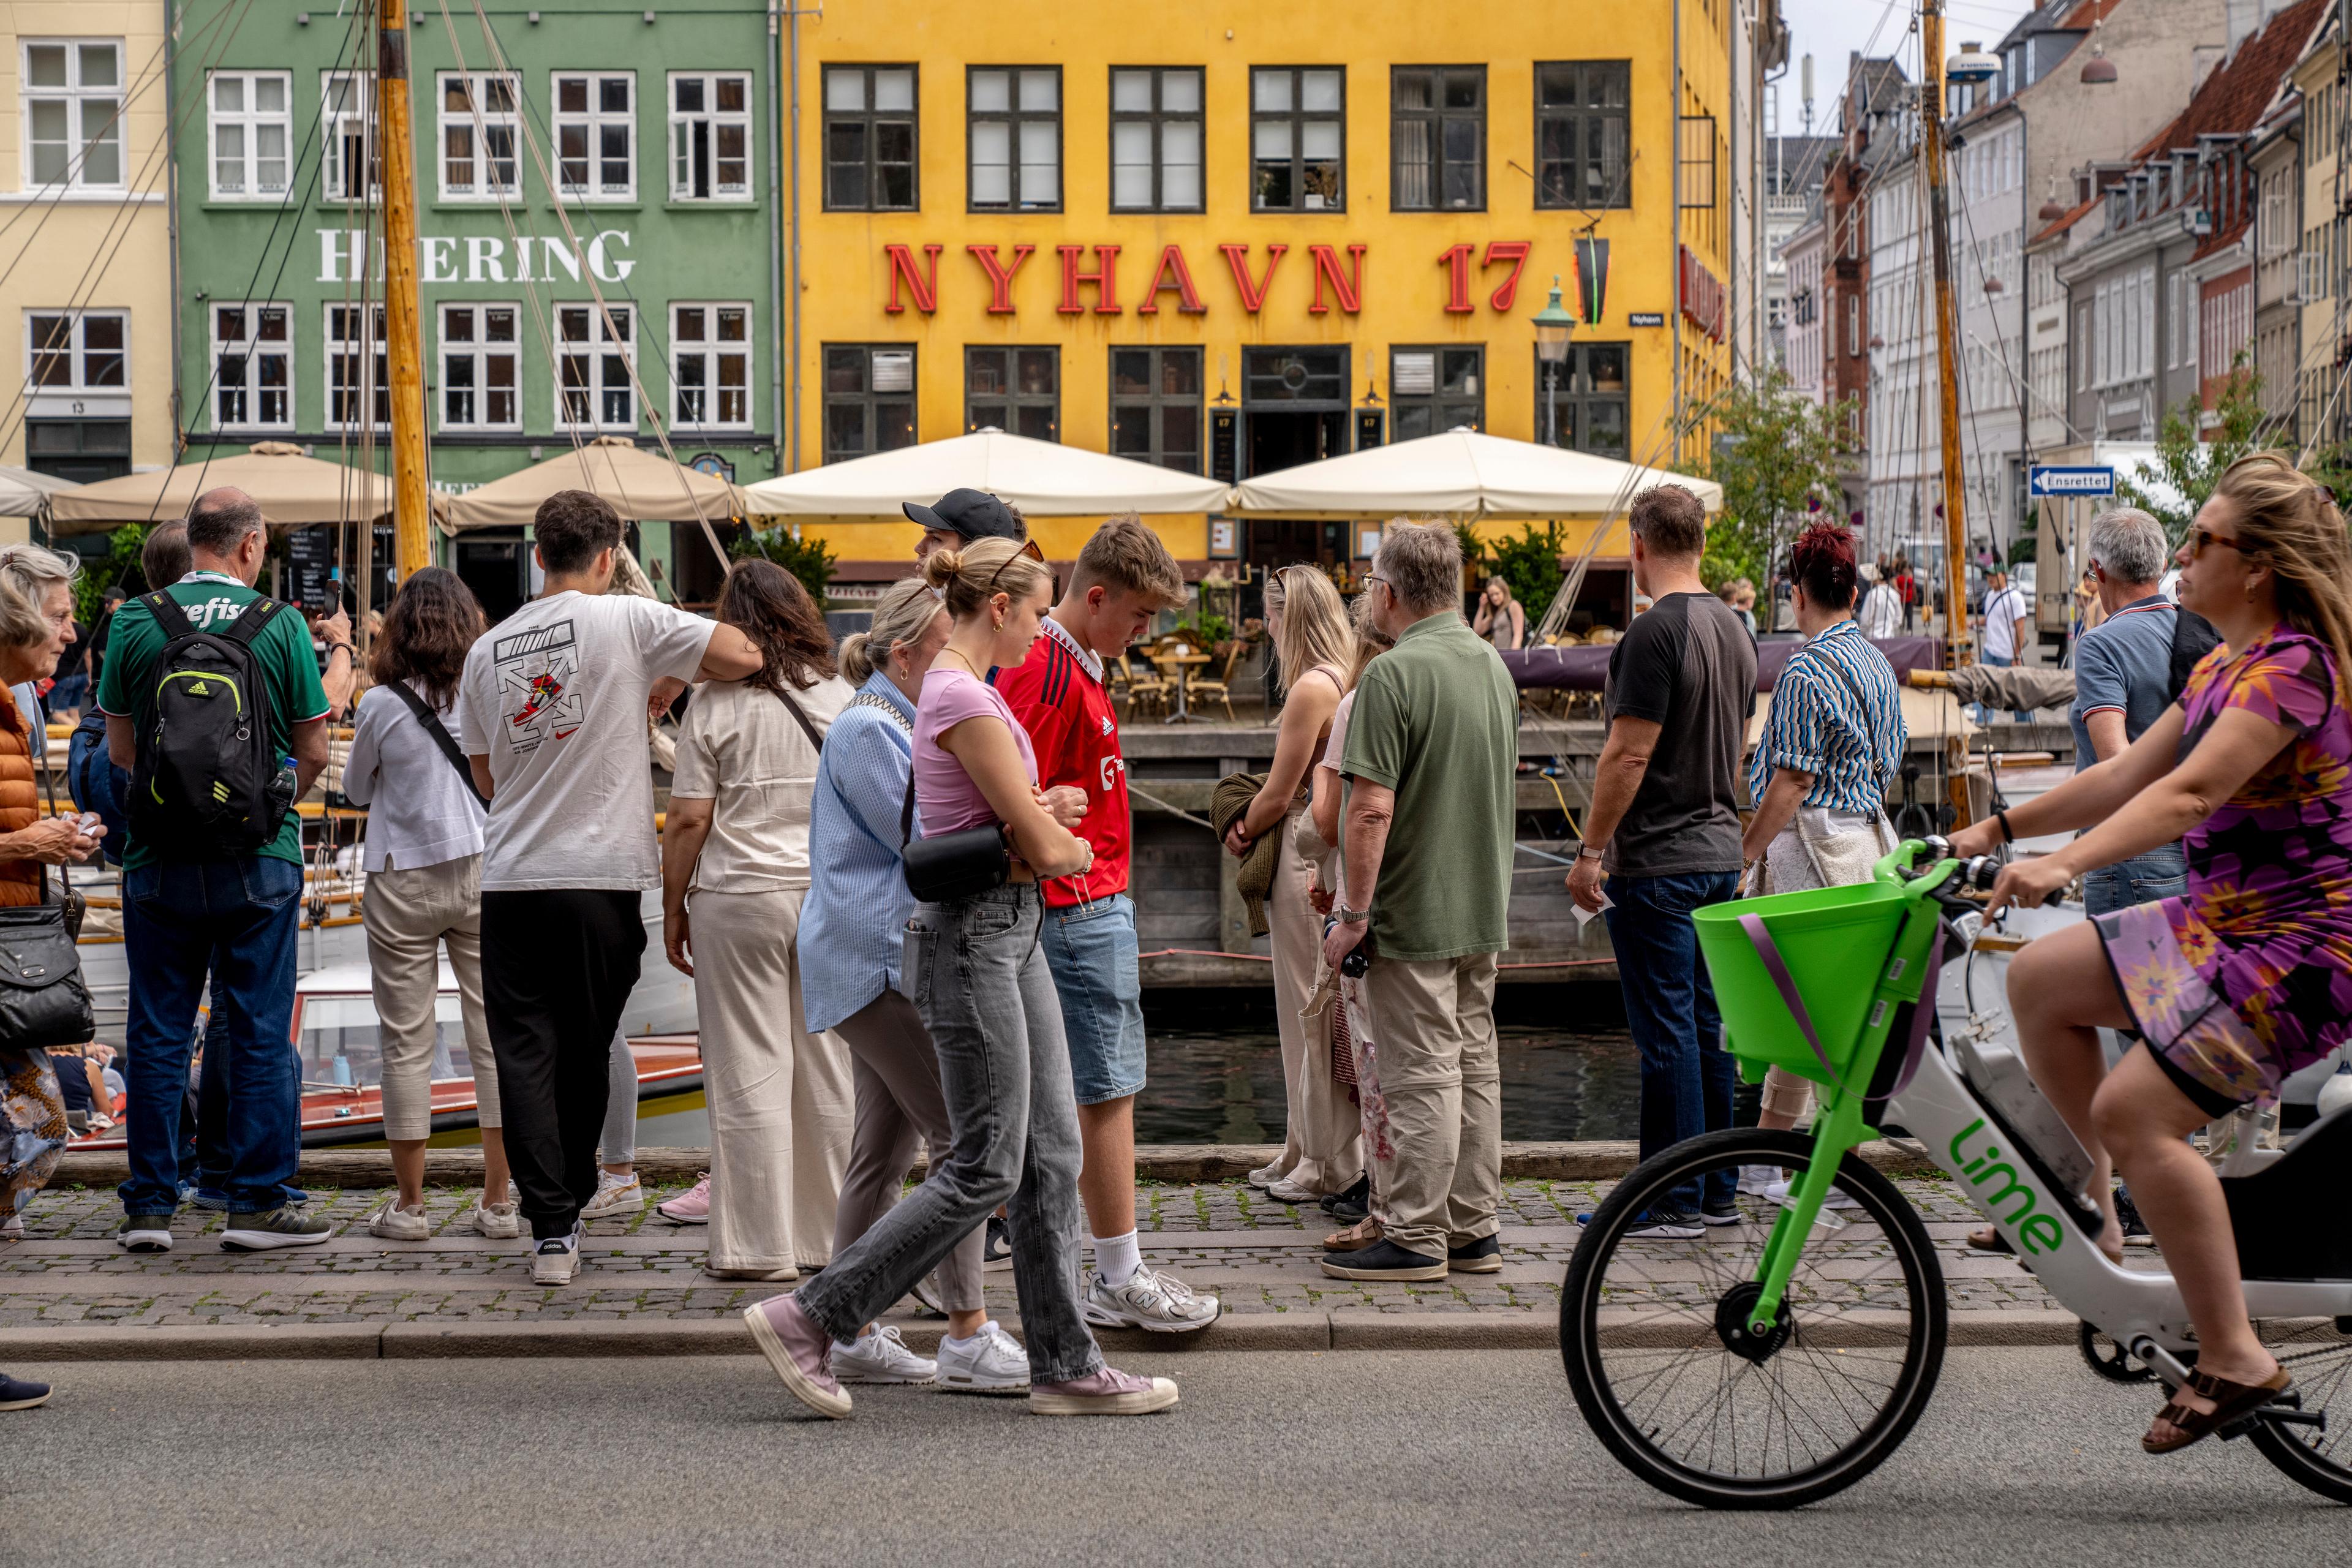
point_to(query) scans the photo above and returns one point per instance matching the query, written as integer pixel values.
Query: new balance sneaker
(1152, 1299)
(800, 1351)
(991, 1362)
(145, 1233)
(285, 1226)
(882, 1357)
(1105, 1392)
(615, 1194)
(394, 1223)
(692, 1206)
(1667, 1225)
(1484, 1255)
(16, 1394)
(556, 1259)
(1382, 1260)
(996, 1252)
(500, 1222)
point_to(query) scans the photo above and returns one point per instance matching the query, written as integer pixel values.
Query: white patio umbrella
(1043, 479)
(1462, 473)
(23, 491)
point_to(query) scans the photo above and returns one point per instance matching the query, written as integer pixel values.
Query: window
(870, 399)
(2082, 368)
(251, 120)
(1155, 406)
(1582, 402)
(1014, 390)
(2192, 306)
(592, 367)
(71, 351)
(1015, 138)
(477, 136)
(710, 137)
(1695, 162)
(253, 367)
(1433, 390)
(869, 138)
(347, 112)
(1297, 139)
(481, 356)
(1853, 323)
(357, 374)
(1155, 140)
(1581, 134)
(710, 366)
(72, 89)
(596, 136)
(1437, 137)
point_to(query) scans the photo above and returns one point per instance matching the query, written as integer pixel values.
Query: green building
(596, 193)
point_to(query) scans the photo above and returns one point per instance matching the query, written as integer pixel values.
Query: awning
(23, 492)
(1460, 473)
(642, 486)
(1043, 479)
(291, 488)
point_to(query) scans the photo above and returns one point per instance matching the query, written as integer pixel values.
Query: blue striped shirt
(853, 919)
(1835, 715)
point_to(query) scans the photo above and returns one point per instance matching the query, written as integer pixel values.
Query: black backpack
(208, 781)
(2194, 637)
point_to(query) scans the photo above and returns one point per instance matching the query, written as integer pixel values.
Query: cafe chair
(1220, 686)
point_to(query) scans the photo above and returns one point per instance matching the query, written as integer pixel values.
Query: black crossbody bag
(440, 733)
(946, 866)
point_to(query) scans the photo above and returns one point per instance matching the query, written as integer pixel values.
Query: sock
(1116, 1258)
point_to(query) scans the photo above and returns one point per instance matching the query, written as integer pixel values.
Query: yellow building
(1231, 237)
(85, 268)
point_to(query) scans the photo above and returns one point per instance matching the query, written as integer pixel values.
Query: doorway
(1295, 406)
(491, 563)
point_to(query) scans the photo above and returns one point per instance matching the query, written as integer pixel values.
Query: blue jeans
(96, 783)
(1687, 1075)
(2161, 873)
(1984, 714)
(236, 921)
(1091, 951)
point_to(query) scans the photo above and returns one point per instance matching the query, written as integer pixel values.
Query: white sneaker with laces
(1779, 1193)
(1153, 1299)
(991, 1362)
(500, 1222)
(883, 1357)
(394, 1222)
(615, 1194)
(1285, 1191)
(556, 1259)
(1757, 1180)
(1264, 1176)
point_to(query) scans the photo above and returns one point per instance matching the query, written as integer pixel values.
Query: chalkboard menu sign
(1224, 440)
(310, 568)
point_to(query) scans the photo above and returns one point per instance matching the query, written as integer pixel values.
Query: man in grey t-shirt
(1664, 827)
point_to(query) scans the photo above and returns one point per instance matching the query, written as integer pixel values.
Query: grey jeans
(895, 1074)
(978, 975)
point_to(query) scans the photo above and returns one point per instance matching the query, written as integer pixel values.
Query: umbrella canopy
(1461, 473)
(22, 491)
(292, 489)
(1043, 479)
(642, 486)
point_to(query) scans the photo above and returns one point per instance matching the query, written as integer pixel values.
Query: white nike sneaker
(991, 1362)
(1152, 1299)
(882, 1356)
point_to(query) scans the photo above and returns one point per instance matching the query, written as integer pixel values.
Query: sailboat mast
(404, 330)
(1931, 155)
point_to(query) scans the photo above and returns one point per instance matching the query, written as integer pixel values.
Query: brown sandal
(2231, 1401)
(1985, 1238)
(1364, 1233)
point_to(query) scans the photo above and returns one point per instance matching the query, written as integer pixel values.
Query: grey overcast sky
(1830, 29)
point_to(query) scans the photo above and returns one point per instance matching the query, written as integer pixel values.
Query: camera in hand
(1359, 957)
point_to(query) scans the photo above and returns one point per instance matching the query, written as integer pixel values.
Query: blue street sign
(2072, 481)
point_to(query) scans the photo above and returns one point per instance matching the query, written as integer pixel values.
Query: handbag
(947, 865)
(43, 999)
(440, 733)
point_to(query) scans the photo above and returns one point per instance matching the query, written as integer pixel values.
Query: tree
(121, 566)
(2190, 465)
(1775, 453)
(808, 559)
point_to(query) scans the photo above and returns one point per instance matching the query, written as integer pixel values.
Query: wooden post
(404, 330)
(1931, 151)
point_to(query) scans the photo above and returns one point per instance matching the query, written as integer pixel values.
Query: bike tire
(2319, 1354)
(1587, 1356)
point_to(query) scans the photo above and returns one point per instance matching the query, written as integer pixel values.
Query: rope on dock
(1170, 810)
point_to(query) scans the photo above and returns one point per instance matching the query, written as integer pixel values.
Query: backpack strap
(440, 733)
(251, 622)
(169, 617)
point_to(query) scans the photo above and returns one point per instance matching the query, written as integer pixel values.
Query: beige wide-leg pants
(409, 915)
(1322, 1147)
(782, 1106)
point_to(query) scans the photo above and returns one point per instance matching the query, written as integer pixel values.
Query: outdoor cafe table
(1177, 662)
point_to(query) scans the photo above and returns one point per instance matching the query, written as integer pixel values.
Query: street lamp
(1553, 326)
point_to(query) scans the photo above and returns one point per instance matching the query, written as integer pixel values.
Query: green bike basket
(1835, 943)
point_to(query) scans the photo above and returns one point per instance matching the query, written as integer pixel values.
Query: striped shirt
(1835, 715)
(853, 921)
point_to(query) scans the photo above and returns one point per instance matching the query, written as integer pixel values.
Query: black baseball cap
(969, 515)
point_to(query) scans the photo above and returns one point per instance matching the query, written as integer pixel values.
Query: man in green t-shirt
(1432, 747)
(187, 913)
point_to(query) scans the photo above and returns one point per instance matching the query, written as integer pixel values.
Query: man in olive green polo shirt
(1431, 746)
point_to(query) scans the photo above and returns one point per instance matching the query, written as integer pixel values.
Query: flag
(1591, 278)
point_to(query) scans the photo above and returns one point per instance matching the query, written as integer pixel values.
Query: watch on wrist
(1589, 852)
(1348, 917)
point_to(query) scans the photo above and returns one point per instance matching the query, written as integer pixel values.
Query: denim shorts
(2161, 873)
(1091, 951)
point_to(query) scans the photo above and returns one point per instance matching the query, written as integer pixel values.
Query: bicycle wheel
(2319, 1351)
(1653, 1334)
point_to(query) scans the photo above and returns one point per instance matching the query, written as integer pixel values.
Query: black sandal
(2231, 1401)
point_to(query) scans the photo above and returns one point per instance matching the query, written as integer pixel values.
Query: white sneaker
(1265, 1175)
(556, 1259)
(931, 1294)
(1153, 1299)
(882, 1356)
(11, 1228)
(615, 1194)
(394, 1222)
(1777, 1192)
(500, 1222)
(1757, 1180)
(1285, 1191)
(991, 1362)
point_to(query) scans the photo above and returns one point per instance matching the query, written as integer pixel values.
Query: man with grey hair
(1429, 754)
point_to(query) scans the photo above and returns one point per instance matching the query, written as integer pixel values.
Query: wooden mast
(1931, 143)
(404, 330)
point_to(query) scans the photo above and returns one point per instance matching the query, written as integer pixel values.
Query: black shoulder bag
(440, 733)
(947, 866)
(43, 999)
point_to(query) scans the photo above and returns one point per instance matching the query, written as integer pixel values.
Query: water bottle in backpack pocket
(208, 780)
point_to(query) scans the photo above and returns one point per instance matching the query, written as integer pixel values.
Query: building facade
(2274, 163)
(1792, 176)
(1803, 256)
(2320, 261)
(1871, 113)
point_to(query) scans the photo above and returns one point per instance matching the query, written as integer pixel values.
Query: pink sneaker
(801, 1353)
(692, 1206)
(1105, 1392)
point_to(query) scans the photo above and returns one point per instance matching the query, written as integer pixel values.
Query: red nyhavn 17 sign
(1089, 277)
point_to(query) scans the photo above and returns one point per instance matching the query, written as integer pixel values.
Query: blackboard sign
(1224, 440)
(310, 568)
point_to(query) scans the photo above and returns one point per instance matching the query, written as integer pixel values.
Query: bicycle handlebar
(1928, 879)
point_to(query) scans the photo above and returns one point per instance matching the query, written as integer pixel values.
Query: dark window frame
(1012, 400)
(1444, 406)
(1158, 116)
(1577, 114)
(1147, 405)
(1298, 118)
(866, 398)
(1014, 118)
(868, 119)
(1576, 396)
(1435, 117)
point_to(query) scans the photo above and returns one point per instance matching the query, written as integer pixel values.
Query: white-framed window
(1014, 133)
(1853, 323)
(710, 366)
(2172, 321)
(347, 121)
(710, 136)
(591, 368)
(597, 135)
(479, 120)
(72, 90)
(481, 367)
(253, 367)
(2144, 321)
(2311, 281)
(2192, 305)
(252, 130)
(359, 387)
(77, 351)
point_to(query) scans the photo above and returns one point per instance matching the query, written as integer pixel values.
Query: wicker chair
(1143, 688)
(1220, 688)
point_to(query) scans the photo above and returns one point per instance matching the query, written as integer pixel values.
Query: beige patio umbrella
(292, 489)
(23, 492)
(642, 486)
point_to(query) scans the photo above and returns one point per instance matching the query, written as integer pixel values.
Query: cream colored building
(85, 238)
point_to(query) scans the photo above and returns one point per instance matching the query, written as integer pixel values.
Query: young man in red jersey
(1125, 576)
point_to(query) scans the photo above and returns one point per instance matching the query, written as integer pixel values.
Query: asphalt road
(1352, 1458)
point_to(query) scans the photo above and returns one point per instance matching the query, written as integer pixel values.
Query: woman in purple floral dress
(2247, 976)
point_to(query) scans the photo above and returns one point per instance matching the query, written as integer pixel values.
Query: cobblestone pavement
(1258, 1255)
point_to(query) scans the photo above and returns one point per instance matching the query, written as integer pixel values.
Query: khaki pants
(1439, 1183)
(782, 1107)
(409, 916)
(1322, 1148)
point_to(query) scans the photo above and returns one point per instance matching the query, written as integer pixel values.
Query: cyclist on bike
(2247, 976)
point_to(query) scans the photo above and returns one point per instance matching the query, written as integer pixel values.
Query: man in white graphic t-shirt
(556, 699)
(2006, 614)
